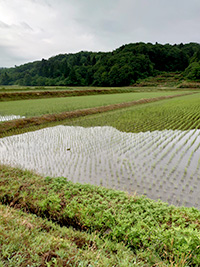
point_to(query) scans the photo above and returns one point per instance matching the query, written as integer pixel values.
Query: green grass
(152, 86)
(28, 240)
(38, 107)
(178, 113)
(16, 88)
(160, 235)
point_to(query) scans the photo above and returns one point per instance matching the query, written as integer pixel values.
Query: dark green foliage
(5, 79)
(193, 71)
(122, 67)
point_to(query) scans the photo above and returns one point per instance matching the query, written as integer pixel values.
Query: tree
(72, 79)
(192, 72)
(117, 68)
(27, 79)
(5, 79)
(114, 75)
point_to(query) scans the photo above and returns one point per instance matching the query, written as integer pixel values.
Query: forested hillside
(121, 67)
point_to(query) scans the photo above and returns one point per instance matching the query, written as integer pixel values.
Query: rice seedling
(35, 107)
(90, 158)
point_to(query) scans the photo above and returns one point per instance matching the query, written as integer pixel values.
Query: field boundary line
(12, 96)
(38, 120)
(15, 96)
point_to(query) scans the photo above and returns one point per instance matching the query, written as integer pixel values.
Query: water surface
(160, 164)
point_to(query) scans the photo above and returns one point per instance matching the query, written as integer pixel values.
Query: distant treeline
(124, 66)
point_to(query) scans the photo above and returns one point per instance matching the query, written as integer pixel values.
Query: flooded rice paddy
(161, 164)
(10, 117)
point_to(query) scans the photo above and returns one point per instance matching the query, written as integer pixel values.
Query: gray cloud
(4, 25)
(9, 58)
(35, 29)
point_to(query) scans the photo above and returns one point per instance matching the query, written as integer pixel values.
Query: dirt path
(33, 121)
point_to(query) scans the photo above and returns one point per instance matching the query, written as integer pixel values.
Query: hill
(121, 67)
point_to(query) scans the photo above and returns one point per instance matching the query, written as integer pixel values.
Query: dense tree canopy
(122, 67)
(192, 72)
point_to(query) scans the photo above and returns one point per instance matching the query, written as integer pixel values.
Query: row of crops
(37, 107)
(160, 164)
(181, 113)
(152, 149)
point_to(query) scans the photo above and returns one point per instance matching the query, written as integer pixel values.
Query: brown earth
(10, 96)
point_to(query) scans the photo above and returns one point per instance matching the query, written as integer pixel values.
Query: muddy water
(160, 164)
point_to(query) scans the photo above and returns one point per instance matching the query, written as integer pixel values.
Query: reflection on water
(160, 164)
(10, 117)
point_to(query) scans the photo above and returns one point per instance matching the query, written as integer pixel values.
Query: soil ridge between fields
(11, 96)
(38, 120)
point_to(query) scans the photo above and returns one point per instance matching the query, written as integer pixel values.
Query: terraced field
(37, 107)
(159, 157)
(160, 164)
(181, 113)
(140, 143)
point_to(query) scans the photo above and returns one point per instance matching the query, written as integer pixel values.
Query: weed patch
(144, 226)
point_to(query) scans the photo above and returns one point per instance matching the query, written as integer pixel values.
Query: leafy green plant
(154, 230)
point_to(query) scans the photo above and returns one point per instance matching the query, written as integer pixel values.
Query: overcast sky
(34, 29)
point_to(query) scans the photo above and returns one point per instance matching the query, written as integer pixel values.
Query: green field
(29, 108)
(15, 88)
(47, 221)
(179, 113)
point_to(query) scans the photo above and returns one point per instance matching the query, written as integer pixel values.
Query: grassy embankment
(28, 240)
(12, 94)
(110, 228)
